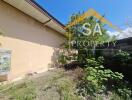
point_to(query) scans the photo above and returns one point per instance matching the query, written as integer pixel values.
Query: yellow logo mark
(95, 14)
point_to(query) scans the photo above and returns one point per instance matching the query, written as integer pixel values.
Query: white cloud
(125, 34)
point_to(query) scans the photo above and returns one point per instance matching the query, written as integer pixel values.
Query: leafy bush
(121, 91)
(92, 63)
(122, 58)
(97, 79)
(124, 90)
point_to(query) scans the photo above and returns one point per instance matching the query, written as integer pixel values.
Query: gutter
(45, 12)
(46, 22)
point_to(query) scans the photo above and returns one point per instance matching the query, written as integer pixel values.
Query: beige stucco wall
(33, 46)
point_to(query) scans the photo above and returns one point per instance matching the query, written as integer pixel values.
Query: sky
(118, 12)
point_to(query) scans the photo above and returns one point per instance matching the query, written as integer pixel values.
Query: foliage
(122, 57)
(85, 44)
(62, 59)
(97, 79)
(124, 90)
(101, 59)
(76, 30)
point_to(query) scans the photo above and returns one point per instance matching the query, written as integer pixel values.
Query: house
(30, 38)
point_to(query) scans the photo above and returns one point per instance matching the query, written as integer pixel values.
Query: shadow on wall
(54, 59)
(47, 37)
(20, 26)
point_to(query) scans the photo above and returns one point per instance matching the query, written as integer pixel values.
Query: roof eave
(33, 9)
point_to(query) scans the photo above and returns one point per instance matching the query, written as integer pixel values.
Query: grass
(57, 85)
(64, 86)
(67, 90)
(22, 91)
(46, 87)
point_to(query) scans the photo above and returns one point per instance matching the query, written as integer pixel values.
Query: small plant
(66, 90)
(91, 63)
(62, 59)
(101, 59)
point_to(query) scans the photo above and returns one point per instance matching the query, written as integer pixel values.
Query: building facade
(30, 40)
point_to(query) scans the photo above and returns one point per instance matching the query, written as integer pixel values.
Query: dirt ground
(55, 84)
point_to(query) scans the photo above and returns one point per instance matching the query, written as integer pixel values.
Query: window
(5, 61)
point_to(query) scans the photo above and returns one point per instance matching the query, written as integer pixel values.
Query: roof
(33, 9)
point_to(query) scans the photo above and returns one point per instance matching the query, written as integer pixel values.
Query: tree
(85, 36)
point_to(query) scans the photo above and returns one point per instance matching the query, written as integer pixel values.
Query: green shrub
(124, 90)
(125, 93)
(122, 58)
(97, 79)
(121, 92)
(91, 63)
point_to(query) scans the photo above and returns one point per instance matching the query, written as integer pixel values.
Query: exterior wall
(33, 46)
